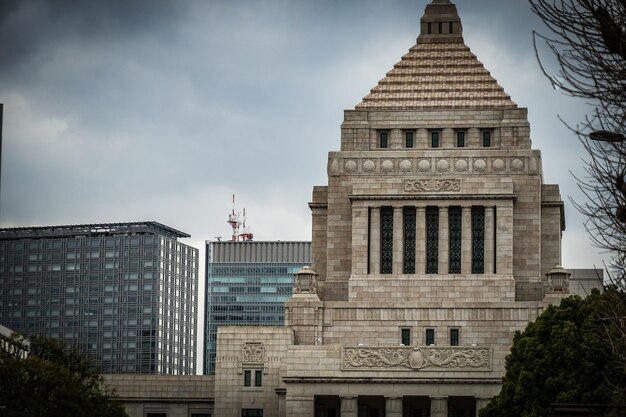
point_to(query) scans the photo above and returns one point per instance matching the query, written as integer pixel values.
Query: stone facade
(432, 243)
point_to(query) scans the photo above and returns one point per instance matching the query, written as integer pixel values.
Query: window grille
(432, 240)
(478, 240)
(455, 240)
(409, 241)
(386, 240)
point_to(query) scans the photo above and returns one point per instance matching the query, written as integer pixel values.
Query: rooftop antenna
(237, 222)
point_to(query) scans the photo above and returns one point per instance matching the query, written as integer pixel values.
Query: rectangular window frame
(386, 240)
(247, 378)
(487, 138)
(455, 239)
(383, 139)
(409, 223)
(251, 412)
(435, 138)
(455, 336)
(258, 378)
(478, 240)
(429, 336)
(461, 135)
(405, 336)
(409, 139)
(432, 240)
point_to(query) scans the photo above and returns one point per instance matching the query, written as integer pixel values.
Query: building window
(455, 240)
(409, 241)
(440, 27)
(454, 337)
(478, 240)
(258, 378)
(408, 139)
(383, 141)
(486, 138)
(430, 28)
(251, 412)
(451, 27)
(247, 378)
(460, 139)
(434, 139)
(386, 240)
(430, 337)
(432, 240)
(405, 337)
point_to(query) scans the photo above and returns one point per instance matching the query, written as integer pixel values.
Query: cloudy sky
(127, 110)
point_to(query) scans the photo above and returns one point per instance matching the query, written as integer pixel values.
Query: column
(504, 228)
(466, 240)
(359, 240)
(282, 406)
(489, 243)
(398, 240)
(438, 406)
(349, 406)
(481, 402)
(300, 406)
(444, 244)
(375, 241)
(393, 407)
(420, 240)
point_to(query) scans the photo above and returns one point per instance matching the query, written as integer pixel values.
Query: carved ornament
(432, 185)
(253, 352)
(416, 358)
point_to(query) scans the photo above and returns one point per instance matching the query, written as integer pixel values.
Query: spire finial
(440, 23)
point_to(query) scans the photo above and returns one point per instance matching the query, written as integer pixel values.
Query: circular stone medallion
(480, 165)
(423, 165)
(416, 359)
(350, 166)
(460, 165)
(406, 165)
(497, 164)
(387, 165)
(369, 166)
(517, 164)
(443, 165)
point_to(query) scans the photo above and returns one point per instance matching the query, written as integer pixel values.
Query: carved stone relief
(460, 165)
(497, 164)
(424, 165)
(350, 166)
(517, 164)
(416, 358)
(253, 352)
(480, 164)
(387, 165)
(443, 165)
(406, 165)
(432, 185)
(369, 165)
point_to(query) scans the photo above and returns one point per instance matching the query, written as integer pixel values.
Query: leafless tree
(587, 38)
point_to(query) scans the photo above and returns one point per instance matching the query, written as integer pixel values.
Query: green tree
(565, 356)
(54, 380)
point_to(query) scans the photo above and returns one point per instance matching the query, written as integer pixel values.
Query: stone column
(359, 240)
(438, 406)
(504, 229)
(444, 241)
(393, 407)
(398, 240)
(375, 241)
(489, 243)
(466, 240)
(420, 240)
(349, 406)
(481, 402)
(282, 406)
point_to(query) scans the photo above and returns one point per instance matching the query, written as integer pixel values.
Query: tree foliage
(53, 381)
(565, 356)
(587, 38)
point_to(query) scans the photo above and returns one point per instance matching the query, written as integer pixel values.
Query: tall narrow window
(258, 378)
(247, 378)
(455, 240)
(454, 337)
(434, 139)
(440, 27)
(451, 27)
(478, 240)
(430, 28)
(386, 240)
(430, 337)
(432, 240)
(409, 241)
(408, 139)
(406, 337)
(486, 138)
(383, 139)
(460, 139)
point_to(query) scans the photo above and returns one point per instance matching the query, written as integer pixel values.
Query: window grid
(247, 378)
(406, 337)
(409, 241)
(486, 138)
(454, 337)
(258, 378)
(383, 139)
(434, 139)
(432, 240)
(430, 337)
(460, 139)
(386, 240)
(408, 140)
(455, 240)
(478, 240)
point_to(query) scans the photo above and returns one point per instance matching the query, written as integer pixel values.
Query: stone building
(433, 242)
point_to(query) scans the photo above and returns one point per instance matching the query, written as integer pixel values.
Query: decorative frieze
(402, 358)
(432, 185)
(253, 352)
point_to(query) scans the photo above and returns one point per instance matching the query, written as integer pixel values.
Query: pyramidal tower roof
(438, 72)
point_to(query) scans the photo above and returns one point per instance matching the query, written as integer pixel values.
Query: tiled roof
(438, 72)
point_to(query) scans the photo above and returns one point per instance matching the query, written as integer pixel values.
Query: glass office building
(247, 283)
(125, 293)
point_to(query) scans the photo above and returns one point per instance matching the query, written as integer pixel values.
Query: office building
(125, 293)
(435, 239)
(247, 284)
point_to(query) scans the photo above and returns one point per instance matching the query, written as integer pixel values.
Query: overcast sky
(128, 110)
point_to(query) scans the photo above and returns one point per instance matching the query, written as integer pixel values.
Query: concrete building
(434, 240)
(126, 293)
(247, 284)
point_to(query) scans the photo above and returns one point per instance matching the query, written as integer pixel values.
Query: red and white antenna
(238, 223)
